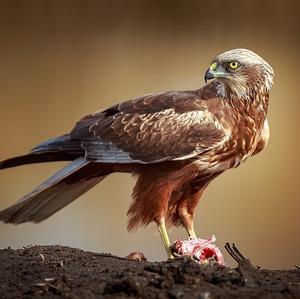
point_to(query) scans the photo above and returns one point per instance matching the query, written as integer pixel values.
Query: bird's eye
(234, 65)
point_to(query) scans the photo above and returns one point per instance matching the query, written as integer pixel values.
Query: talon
(194, 257)
(172, 258)
(177, 255)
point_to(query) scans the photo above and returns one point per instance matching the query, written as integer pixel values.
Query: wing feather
(153, 128)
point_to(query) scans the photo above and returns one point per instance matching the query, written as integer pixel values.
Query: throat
(232, 89)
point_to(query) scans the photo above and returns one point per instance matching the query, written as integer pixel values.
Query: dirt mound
(63, 272)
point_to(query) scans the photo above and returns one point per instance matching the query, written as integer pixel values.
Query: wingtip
(1, 165)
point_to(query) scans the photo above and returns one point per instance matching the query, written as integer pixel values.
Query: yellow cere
(213, 66)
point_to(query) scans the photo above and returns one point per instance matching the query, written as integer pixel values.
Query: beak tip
(208, 75)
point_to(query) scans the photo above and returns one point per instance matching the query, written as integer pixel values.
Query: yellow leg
(165, 238)
(191, 232)
(188, 222)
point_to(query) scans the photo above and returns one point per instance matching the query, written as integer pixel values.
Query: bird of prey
(176, 142)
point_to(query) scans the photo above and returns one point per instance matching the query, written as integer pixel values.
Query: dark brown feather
(154, 128)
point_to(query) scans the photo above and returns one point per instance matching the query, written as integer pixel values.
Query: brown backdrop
(62, 59)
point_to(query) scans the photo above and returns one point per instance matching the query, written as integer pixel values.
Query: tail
(57, 149)
(55, 193)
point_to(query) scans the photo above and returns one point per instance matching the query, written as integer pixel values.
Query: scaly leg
(165, 238)
(186, 211)
(187, 221)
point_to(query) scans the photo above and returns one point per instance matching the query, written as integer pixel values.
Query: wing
(150, 129)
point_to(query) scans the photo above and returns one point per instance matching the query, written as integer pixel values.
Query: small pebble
(136, 256)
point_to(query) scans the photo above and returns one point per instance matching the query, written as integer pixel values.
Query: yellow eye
(234, 65)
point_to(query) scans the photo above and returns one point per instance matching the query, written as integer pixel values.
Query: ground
(63, 272)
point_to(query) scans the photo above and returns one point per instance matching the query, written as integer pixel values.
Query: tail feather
(55, 193)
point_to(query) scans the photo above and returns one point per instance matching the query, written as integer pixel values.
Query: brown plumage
(177, 142)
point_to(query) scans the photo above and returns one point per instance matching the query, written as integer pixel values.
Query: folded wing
(150, 129)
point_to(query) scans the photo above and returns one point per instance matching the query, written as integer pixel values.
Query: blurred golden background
(60, 60)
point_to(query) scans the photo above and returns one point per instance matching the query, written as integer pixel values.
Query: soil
(63, 272)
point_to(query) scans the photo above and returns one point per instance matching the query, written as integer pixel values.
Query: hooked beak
(211, 74)
(208, 75)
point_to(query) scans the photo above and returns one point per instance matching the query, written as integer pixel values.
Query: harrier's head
(241, 73)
